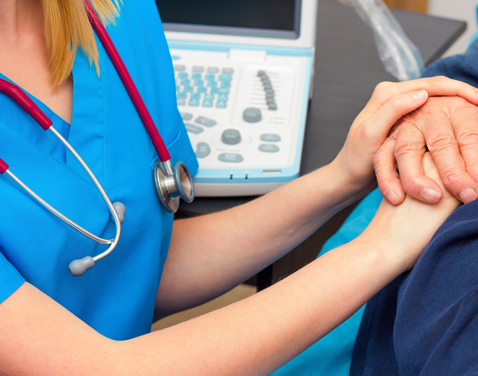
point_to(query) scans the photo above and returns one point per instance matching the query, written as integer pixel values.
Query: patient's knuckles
(468, 140)
(407, 148)
(439, 143)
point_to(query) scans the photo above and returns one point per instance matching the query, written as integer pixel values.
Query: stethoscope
(171, 183)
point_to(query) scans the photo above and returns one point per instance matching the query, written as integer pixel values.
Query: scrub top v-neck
(117, 296)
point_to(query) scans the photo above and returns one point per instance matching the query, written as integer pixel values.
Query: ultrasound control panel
(245, 119)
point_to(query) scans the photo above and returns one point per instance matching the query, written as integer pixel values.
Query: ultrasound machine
(244, 74)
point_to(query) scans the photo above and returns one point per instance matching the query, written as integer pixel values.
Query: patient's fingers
(445, 150)
(409, 151)
(431, 170)
(465, 123)
(386, 172)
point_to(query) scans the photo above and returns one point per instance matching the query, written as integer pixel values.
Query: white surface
(464, 10)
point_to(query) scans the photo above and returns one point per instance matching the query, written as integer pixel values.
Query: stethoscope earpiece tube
(79, 267)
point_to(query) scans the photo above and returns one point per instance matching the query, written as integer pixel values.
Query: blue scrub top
(117, 296)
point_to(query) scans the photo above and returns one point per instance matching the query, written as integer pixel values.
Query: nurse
(52, 323)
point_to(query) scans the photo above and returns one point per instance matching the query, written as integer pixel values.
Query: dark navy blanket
(426, 321)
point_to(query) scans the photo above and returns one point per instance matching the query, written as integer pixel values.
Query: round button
(252, 115)
(203, 150)
(231, 137)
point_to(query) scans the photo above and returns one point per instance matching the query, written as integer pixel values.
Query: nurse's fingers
(377, 127)
(385, 167)
(410, 148)
(435, 86)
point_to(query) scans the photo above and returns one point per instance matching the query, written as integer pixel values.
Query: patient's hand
(448, 126)
(408, 228)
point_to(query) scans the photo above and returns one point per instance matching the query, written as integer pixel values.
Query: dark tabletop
(347, 69)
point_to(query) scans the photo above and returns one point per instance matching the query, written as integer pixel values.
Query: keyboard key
(198, 69)
(185, 82)
(179, 68)
(196, 96)
(212, 83)
(231, 158)
(182, 95)
(269, 148)
(183, 75)
(205, 121)
(175, 57)
(221, 104)
(215, 90)
(201, 89)
(225, 77)
(222, 97)
(212, 70)
(196, 76)
(186, 116)
(188, 89)
(227, 70)
(209, 97)
(181, 101)
(207, 103)
(193, 128)
(210, 77)
(270, 137)
(223, 90)
(194, 103)
(198, 83)
(225, 84)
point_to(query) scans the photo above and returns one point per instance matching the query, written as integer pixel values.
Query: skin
(259, 334)
(446, 126)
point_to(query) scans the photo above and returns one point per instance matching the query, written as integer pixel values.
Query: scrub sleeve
(117, 296)
(332, 355)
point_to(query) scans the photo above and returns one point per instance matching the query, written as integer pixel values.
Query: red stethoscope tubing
(128, 83)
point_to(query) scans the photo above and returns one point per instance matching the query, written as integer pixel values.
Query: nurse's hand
(388, 104)
(406, 230)
(448, 127)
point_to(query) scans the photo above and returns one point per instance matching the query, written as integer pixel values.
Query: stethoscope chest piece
(173, 184)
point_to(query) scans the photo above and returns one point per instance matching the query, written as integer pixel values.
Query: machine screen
(261, 15)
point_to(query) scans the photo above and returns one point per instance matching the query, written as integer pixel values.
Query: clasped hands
(389, 138)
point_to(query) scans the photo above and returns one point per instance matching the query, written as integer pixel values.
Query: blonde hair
(67, 28)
